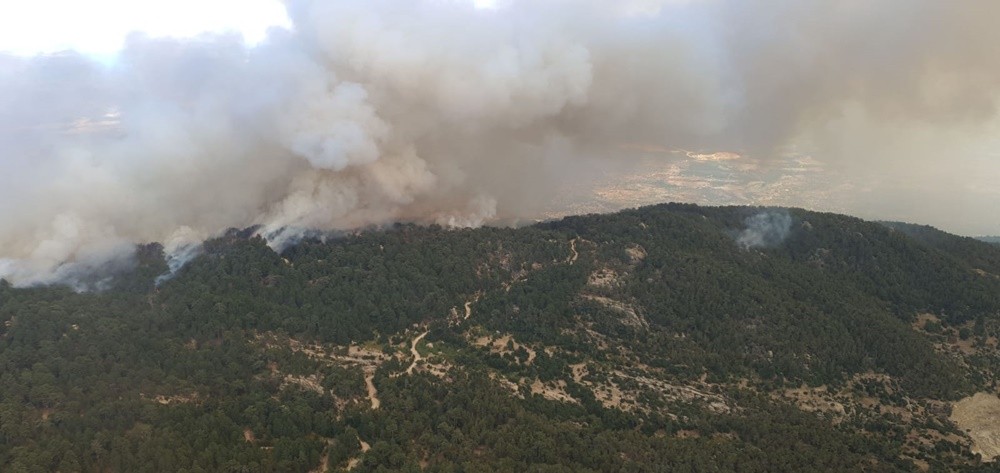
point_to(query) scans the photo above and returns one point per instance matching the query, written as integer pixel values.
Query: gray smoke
(765, 230)
(177, 257)
(375, 111)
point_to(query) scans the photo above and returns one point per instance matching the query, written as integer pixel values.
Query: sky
(99, 27)
(328, 115)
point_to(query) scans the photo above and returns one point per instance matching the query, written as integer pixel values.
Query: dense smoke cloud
(369, 112)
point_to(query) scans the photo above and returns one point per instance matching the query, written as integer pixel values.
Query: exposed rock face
(979, 416)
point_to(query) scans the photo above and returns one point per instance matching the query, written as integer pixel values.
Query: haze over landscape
(358, 113)
(499, 235)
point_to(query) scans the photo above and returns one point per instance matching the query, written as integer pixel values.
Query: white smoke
(182, 247)
(765, 230)
(373, 111)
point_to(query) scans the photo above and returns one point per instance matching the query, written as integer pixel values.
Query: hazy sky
(99, 27)
(336, 114)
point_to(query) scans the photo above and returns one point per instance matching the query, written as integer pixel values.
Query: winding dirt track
(324, 463)
(468, 304)
(370, 377)
(353, 463)
(416, 354)
(372, 392)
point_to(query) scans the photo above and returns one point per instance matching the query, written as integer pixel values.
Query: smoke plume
(765, 229)
(373, 111)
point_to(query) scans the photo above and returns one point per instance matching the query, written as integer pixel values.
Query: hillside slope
(666, 338)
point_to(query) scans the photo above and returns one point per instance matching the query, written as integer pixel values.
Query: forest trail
(572, 248)
(416, 354)
(354, 461)
(372, 392)
(468, 304)
(324, 463)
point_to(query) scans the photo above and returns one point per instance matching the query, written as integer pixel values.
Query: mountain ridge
(635, 341)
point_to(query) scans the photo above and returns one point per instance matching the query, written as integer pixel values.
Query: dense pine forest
(664, 338)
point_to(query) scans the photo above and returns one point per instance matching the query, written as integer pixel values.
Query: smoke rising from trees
(765, 229)
(433, 111)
